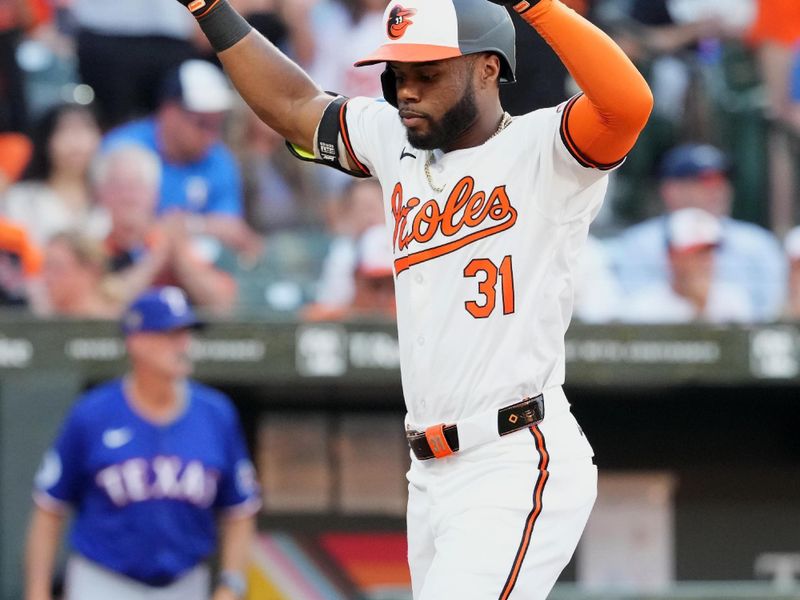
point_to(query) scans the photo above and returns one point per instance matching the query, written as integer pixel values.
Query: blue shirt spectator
(749, 256)
(210, 184)
(200, 176)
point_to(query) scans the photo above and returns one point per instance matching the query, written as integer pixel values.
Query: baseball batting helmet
(428, 30)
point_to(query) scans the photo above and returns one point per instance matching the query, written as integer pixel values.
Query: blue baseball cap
(159, 309)
(693, 160)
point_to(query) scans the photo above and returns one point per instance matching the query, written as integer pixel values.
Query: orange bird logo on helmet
(399, 21)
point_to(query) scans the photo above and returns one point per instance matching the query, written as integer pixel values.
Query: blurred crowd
(127, 161)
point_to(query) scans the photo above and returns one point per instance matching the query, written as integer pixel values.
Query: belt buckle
(524, 413)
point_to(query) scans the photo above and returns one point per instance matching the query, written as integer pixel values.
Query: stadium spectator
(690, 293)
(20, 265)
(359, 207)
(15, 152)
(373, 283)
(73, 276)
(685, 49)
(598, 297)
(146, 249)
(125, 49)
(775, 34)
(297, 15)
(667, 36)
(155, 467)
(279, 191)
(200, 176)
(696, 176)
(346, 30)
(55, 194)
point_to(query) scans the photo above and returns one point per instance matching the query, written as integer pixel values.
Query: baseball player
(151, 464)
(488, 214)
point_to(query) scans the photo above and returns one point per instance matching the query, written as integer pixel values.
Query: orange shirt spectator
(776, 21)
(20, 262)
(15, 152)
(775, 32)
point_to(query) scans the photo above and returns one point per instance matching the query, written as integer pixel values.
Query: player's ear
(488, 65)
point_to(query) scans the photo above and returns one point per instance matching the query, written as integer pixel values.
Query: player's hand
(160, 248)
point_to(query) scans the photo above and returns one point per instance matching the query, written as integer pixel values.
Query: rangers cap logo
(398, 21)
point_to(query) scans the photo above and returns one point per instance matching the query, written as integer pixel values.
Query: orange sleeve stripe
(346, 137)
(601, 126)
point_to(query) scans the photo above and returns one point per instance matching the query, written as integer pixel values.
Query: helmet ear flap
(389, 85)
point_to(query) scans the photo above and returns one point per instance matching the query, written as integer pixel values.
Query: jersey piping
(346, 138)
(530, 522)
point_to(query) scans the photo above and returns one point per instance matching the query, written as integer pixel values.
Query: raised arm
(277, 89)
(601, 126)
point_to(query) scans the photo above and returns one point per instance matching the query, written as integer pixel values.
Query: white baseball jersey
(483, 269)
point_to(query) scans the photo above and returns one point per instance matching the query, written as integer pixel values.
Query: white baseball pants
(86, 580)
(501, 521)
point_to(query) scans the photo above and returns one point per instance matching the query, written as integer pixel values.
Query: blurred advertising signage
(109, 349)
(774, 352)
(675, 352)
(95, 349)
(329, 350)
(15, 353)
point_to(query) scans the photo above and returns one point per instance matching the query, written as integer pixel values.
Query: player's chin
(421, 140)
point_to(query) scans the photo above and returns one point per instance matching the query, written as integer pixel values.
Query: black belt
(442, 440)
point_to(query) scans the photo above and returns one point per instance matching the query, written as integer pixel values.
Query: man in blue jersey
(156, 471)
(200, 176)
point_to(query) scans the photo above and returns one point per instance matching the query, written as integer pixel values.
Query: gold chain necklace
(505, 121)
